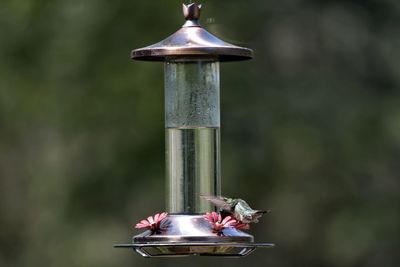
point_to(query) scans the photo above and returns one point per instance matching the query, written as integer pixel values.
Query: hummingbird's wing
(220, 202)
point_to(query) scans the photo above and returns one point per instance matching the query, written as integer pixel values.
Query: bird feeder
(191, 58)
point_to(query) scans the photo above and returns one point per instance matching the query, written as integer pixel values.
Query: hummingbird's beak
(263, 211)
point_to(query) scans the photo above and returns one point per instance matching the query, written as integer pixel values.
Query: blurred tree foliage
(311, 128)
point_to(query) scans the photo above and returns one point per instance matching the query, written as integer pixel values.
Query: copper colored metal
(192, 40)
(168, 249)
(185, 235)
(191, 11)
(192, 228)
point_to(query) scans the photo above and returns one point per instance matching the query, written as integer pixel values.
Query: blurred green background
(311, 129)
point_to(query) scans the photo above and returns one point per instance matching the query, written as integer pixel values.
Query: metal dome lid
(192, 41)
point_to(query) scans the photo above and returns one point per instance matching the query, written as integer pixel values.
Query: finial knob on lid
(191, 11)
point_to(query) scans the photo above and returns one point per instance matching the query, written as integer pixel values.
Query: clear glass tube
(192, 119)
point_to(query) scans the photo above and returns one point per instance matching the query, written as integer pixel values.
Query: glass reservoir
(192, 121)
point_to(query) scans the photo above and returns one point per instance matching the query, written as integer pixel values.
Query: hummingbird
(236, 207)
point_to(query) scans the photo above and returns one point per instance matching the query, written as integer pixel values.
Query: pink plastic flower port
(152, 223)
(218, 223)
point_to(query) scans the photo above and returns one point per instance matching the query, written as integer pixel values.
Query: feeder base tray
(184, 235)
(192, 248)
